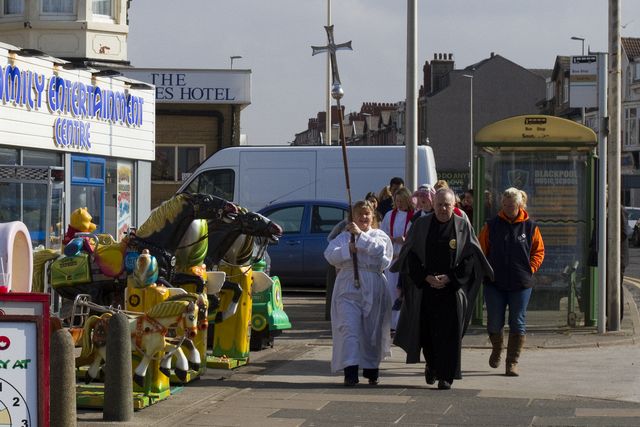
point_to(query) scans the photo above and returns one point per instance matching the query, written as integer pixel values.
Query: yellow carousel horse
(148, 333)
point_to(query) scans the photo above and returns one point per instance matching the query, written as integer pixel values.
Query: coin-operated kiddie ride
(169, 297)
(268, 318)
(248, 237)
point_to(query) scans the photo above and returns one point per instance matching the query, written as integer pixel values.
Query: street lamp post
(470, 77)
(581, 39)
(234, 57)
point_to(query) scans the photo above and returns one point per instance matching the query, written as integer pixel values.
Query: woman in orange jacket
(513, 245)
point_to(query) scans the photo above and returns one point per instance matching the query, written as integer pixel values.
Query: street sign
(583, 82)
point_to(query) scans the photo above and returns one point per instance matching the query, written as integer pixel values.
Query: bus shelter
(553, 160)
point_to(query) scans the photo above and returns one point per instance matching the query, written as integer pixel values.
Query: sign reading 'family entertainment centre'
(75, 102)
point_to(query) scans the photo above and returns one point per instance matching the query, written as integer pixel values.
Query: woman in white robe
(360, 316)
(396, 224)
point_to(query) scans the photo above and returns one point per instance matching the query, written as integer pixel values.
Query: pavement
(568, 377)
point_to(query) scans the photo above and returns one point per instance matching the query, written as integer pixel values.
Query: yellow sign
(536, 128)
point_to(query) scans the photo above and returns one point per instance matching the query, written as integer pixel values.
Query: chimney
(426, 77)
(440, 69)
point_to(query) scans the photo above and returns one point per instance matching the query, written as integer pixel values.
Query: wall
(500, 89)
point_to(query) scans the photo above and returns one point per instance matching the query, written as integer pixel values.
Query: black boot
(351, 375)
(371, 375)
(429, 375)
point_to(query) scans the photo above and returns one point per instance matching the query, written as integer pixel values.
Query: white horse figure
(148, 332)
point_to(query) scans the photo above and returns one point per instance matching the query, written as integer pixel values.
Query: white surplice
(360, 317)
(399, 223)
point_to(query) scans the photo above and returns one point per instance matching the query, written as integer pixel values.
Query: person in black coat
(444, 266)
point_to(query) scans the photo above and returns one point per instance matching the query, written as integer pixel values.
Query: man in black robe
(444, 267)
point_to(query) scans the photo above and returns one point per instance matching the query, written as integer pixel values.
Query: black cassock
(435, 320)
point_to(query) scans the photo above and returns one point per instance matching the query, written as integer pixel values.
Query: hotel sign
(197, 86)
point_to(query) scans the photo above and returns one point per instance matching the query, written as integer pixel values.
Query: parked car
(298, 257)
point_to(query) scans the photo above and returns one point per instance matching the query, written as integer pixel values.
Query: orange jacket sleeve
(537, 250)
(484, 239)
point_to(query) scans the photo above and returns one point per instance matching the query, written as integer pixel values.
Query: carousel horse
(231, 241)
(235, 242)
(174, 345)
(148, 333)
(160, 234)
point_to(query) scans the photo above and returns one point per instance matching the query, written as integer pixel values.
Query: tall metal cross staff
(337, 93)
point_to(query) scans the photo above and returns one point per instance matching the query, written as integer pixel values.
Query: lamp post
(234, 57)
(581, 39)
(470, 77)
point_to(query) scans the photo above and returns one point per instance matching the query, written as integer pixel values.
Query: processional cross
(337, 93)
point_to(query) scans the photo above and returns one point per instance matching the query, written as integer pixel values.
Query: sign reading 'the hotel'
(197, 86)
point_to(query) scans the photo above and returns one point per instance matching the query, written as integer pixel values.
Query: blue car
(298, 257)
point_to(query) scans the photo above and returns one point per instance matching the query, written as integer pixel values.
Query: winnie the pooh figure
(80, 222)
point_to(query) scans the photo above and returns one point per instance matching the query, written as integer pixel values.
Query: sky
(274, 38)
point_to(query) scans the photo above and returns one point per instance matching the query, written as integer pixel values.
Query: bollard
(118, 382)
(63, 380)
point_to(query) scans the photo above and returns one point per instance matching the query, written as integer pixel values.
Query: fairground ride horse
(239, 242)
(147, 331)
(160, 234)
(175, 344)
(212, 242)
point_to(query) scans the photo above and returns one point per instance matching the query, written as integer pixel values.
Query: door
(87, 187)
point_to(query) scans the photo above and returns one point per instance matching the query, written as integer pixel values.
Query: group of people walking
(414, 280)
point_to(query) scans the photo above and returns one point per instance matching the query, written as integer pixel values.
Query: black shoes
(429, 376)
(351, 376)
(371, 375)
(350, 382)
(444, 385)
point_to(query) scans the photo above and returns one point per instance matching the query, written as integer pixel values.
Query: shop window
(8, 156)
(41, 158)
(172, 161)
(12, 8)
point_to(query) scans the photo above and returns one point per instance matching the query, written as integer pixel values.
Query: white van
(255, 177)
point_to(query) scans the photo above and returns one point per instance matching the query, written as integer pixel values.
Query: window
(172, 161)
(13, 7)
(218, 183)
(630, 137)
(324, 218)
(565, 90)
(63, 8)
(102, 7)
(636, 71)
(289, 218)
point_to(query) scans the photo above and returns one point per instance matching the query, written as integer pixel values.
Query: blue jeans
(497, 301)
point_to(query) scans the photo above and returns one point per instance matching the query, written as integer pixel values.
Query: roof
(545, 73)
(631, 46)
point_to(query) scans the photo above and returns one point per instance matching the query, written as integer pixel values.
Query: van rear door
(275, 176)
